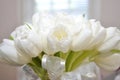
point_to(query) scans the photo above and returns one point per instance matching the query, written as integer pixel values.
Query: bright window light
(80, 6)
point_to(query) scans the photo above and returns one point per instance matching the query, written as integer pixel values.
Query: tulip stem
(75, 59)
(36, 66)
(70, 59)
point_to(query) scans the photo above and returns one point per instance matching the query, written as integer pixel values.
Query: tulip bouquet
(63, 42)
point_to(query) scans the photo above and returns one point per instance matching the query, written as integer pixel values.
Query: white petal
(35, 19)
(28, 48)
(95, 26)
(81, 41)
(20, 31)
(40, 19)
(59, 39)
(98, 39)
(111, 62)
(109, 44)
(111, 32)
(27, 41)
(10, 55)
(111, 41)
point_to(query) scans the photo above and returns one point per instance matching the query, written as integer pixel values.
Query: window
(70, 6)
(76, 6)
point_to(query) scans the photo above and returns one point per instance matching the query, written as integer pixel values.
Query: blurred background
(14, 13)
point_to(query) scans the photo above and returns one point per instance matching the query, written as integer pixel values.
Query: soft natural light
(60, 4)
(80, 6)
(43, 5)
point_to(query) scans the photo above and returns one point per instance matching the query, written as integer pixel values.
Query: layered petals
(58, 40)
(90, 36)
(27, 41)
(110, 63)
(9, 54)
(111, 41)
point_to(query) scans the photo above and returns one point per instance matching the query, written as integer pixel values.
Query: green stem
(38, 69)
(115, 51)
(79, 60)
(75, 59)
(70, 59)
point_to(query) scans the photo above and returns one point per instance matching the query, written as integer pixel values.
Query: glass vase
(55, 67)
(87, 72)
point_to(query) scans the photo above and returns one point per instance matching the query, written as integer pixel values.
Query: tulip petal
(10, 55)
(27, 41)
(81, 41)
(110, 63)
(58, 40)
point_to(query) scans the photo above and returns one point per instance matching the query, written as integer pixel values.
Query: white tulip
(48, 25)
(9, 54)
(81, 40)
(72, 22)
(27, 41)
(58, 40)
(98, 34)
(42, 22)
(90, 36)
(108, 60)
(110, 63)
(111, 41)
(46, 21)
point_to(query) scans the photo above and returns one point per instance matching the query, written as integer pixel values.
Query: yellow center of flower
(60, 34)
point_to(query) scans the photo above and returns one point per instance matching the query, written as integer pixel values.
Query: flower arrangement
(67, 40)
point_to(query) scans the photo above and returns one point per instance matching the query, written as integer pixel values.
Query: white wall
(107, 11)
(110, 12)
(9, 19)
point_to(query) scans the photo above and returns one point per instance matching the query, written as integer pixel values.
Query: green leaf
(75, 59)
(79, 60)
(94, 55)
(64, 55)
(37, 69)
(11, 38)
(28, 25)
(41, 55)
(41, 72)
(115, 51)
(61, 55)
(57, 54)
(37, 61)
(70, 59)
